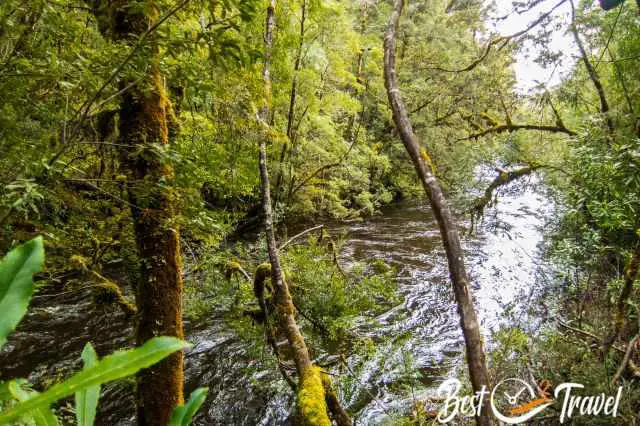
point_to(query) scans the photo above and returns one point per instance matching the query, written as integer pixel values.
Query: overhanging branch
(503, 41)
(515, 127)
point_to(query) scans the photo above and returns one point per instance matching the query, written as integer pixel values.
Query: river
(422, 339)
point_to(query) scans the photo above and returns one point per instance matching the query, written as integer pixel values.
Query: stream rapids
(503, 258)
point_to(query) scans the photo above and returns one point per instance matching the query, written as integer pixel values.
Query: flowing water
(420, 340)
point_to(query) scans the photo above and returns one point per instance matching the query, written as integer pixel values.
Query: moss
(79, 262)
(490, 120)
(262, 272)
(312, 407)
(288, 309)
(232, 268)
(111, 293)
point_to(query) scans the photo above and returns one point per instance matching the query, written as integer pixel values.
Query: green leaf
(5, 394)
(87, 400)
(113, 367)
(16, 283)
(183, 414)
(41, 416)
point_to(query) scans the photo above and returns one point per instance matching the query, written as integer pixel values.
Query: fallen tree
(315, 397)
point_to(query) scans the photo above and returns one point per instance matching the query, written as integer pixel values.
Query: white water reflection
(502, 257)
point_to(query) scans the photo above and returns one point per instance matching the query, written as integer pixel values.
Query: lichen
(79, 262)
(427, 159)
(312, 407)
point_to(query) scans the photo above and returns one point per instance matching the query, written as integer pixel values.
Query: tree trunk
(620, 312)
(312, 407)
(593, 74)
(292, 104)
(468, 320)
(146, 118)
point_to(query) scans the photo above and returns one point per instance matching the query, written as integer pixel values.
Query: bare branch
(504, 178)
(503, 41)
(301, 234)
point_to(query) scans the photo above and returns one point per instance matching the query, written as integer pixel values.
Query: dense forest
(264, 212)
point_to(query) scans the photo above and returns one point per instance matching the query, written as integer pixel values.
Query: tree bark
(292, 103)
(312, 407)
(593, 74)
(146, 118)
(468, 320)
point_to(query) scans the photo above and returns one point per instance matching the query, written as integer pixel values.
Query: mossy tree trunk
(146, 119)
(448, 230)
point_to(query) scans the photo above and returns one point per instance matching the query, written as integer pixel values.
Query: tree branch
(504, 178)
(593, 74)
(306, 231)
(504, 40)
(515, 127)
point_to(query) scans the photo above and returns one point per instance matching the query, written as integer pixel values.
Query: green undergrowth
(331, 298)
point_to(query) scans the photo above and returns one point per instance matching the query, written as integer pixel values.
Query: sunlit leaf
(113, 367)
(16, 283)
(87, 399)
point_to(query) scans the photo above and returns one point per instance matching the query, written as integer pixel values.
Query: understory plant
(21, 404)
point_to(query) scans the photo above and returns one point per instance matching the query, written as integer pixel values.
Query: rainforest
(319, 212)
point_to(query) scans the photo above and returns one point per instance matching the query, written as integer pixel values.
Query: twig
(504, 40)
(587, 334)
(244, 273)
(625, 360)
(295, 237)
(315, 322)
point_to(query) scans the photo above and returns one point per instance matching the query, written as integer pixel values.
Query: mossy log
(311, 397)
(312, 406)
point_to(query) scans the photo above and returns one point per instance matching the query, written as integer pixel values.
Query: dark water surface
(502, 257)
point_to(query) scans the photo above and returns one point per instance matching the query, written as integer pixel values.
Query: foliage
(334, 155)
(87, 399)
(16, 270)
(183, 414)
(332, 296)
(16, 285)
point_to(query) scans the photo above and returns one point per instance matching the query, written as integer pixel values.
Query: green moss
(232, 268)
(311, 402)
(110, 293)
(262, 272)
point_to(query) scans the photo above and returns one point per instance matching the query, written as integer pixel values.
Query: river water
(422, 341)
